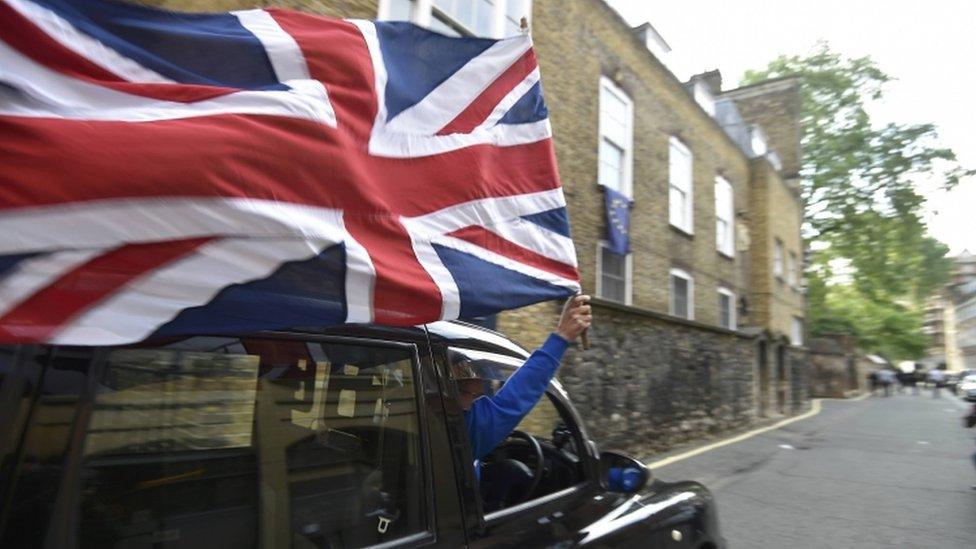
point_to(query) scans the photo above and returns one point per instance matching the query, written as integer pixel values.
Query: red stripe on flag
(479, 236)
(44, 314)
(57, 161)
(20, 33)
(404, 293)
(479, 109)
(337, 56)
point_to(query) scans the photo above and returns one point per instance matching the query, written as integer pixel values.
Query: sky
(927, 46)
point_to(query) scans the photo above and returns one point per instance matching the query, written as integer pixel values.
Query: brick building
(700, 327)
(962, 290)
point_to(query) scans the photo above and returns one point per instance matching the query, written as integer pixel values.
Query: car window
(546, 422)
(542, 420)
(245, 442)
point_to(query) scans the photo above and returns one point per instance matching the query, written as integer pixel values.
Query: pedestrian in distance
(937, 379)
(873, 382)
(887, 379)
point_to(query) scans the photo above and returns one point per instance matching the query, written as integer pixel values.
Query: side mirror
(620, 473)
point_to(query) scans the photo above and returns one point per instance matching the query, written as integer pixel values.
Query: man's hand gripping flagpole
(575, 319)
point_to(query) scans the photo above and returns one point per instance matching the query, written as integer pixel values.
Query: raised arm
(492, 419)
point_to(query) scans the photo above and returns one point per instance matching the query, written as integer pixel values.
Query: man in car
(491, 419)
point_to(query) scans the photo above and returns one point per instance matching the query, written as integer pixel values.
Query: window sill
(723, 255)
(681, 231)
(603, 187)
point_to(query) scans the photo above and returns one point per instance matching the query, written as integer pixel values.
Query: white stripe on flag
(488, 211)
(109, 223)
(285, 55)
(139, 308)
(33, 274)
(452, 97)
(399, 145)
(509, 100)
(84, 45)
(360, 282)
(368, 30)
(538, 239)
(384, 142)
(431, 262)
(33, 90)
(502, 261)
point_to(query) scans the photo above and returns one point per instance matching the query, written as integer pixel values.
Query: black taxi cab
(348, 437)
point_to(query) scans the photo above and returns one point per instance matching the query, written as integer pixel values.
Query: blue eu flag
(618, 221)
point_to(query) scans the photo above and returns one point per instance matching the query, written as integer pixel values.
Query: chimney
(653, 41)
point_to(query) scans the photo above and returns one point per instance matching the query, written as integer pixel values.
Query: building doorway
(762, 402)
(781, 378)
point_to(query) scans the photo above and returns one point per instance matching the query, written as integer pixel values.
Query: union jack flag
(165, 173)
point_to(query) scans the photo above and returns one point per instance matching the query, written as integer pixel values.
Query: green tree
(863, 206)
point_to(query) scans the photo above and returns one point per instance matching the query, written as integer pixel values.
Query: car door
(554, 513)
(273, 440)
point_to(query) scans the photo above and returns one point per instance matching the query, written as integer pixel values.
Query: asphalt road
(880, 472)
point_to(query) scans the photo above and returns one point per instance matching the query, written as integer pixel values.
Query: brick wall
(776, 214)
(775, 105)
(577, 43)
(365, 9)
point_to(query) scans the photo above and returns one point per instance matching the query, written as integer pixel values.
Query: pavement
(877, 472)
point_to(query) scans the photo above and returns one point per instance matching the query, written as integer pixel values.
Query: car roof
(451, 332)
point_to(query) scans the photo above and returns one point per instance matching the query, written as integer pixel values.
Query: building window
(682, 295)
(797, 336)
(487, 18)
(395, 10)
(726, 308)
(616, 138)
(778, 259)
(724, 213)
(791, 271)
(614, 274)
(680, 195)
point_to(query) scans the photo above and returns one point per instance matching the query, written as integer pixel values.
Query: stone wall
(799, 379)
(828, 373)
(837, 368)
(650, 382)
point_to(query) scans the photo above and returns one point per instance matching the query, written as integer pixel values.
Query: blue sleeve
(491, 419)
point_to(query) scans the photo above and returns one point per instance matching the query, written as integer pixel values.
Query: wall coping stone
(647, 313)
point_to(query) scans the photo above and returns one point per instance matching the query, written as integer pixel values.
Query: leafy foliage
(863, 206)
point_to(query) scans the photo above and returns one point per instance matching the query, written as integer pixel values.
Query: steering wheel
(536, 471)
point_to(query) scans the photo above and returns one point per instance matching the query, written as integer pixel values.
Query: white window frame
(422, 13)
(680, 273)
(627, 183)
(797, 331)
(778, 258)
(628, 273)
(791, 270)
(689, 209)
(728, 246)
(733, 320)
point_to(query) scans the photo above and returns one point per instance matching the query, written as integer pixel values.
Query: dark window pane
(62, 384)
(725, 310)
(240, 443)
(679, 297)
